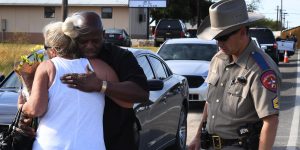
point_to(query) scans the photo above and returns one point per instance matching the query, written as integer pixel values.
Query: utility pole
(64, 9)
(148, 23)
(284, 19)
(277, 21)
(281, 16)
(198, 14)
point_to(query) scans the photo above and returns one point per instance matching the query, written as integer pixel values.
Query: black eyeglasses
(46, 47)
(226, 36)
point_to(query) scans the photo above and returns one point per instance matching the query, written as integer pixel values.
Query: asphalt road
(288, 133)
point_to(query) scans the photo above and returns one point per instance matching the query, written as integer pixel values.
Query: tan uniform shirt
(241, 92)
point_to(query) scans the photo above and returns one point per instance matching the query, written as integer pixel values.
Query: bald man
(120, 126)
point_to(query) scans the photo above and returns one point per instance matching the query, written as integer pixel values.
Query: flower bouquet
(26, 70)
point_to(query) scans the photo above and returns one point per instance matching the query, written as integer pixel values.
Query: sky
(291, 7)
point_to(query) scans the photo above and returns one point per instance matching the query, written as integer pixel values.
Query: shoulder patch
(260, 61)
(269, 80)
(276, 103)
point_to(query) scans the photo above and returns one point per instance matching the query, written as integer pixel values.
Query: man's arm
(195, 144)
(268, 132)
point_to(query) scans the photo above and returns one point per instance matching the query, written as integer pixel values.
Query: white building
(26, 18)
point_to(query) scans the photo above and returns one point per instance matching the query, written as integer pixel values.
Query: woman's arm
(105, 72)
(38, 100)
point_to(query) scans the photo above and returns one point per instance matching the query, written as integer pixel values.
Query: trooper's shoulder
(262, 62)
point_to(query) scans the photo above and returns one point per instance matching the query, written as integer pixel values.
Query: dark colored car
(163, 118)
(266, 39)
(169, 29)
(118, 37)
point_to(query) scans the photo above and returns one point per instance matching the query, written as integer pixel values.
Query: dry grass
(154, 49)
(9, 53)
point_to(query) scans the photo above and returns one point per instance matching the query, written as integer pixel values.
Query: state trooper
(241, 111)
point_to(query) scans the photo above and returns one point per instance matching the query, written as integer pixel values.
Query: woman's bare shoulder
(102, 69)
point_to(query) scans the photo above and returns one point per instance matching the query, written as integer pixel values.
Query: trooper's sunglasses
(226, 36)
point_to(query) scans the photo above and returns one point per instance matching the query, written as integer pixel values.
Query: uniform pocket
(212, 81)
(230, 103)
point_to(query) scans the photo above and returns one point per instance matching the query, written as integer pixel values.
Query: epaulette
(260, 61)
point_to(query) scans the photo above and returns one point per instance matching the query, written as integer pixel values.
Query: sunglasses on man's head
(46, 47)
(226, 36)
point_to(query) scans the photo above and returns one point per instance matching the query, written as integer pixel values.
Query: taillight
(120, 37)
(181, 34)
(275, 45)
(155, 33)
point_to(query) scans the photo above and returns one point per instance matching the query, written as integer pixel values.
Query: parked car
(266, 39)
(163, 118)
(168, 29)
(190, 57)
(118, 37)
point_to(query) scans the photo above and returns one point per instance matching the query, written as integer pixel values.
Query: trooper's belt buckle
(217, 143)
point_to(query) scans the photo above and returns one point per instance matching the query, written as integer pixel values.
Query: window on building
(106, 13)
(49, 12)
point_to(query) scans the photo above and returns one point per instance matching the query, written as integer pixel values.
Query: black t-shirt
(124, 64)
(119, 122)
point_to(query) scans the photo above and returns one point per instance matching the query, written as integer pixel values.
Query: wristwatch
(103, 87)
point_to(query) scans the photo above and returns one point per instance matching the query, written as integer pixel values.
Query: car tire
(181, 135)
(280, 56)
(156, 44)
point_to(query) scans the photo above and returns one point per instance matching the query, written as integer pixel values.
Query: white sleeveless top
(74, 119)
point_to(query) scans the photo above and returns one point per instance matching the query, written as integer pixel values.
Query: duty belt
(218, 142)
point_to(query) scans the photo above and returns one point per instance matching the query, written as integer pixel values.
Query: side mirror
(155, 85)
(2, 77)
(264, 47)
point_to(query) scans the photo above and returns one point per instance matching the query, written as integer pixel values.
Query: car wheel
(130, 44)
(156, 44)
(281, 57)
(181, 135)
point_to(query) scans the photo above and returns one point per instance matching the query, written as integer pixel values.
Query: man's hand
(87, 82)
(195, 144)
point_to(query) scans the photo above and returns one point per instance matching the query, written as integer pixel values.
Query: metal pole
(198, 14)
(277, 18)
(281, 16)
(64, 9)
(2, 39)
(147, 23)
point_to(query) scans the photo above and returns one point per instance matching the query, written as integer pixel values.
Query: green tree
(252, 5)
(269, 23)
(175, 9)
(179, 9)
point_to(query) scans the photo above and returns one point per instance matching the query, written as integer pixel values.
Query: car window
(12, 82)
(144, 63)
(167, 24)
(119, 31)
(158, 68)
(126, 33)
(263, 36)
(188, 51)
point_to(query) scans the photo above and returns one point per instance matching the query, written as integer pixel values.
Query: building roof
(59, 2)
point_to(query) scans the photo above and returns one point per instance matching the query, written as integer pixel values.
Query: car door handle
(142, 108)
(164, 99)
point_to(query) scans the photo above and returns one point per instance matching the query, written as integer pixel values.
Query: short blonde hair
(59, 39)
